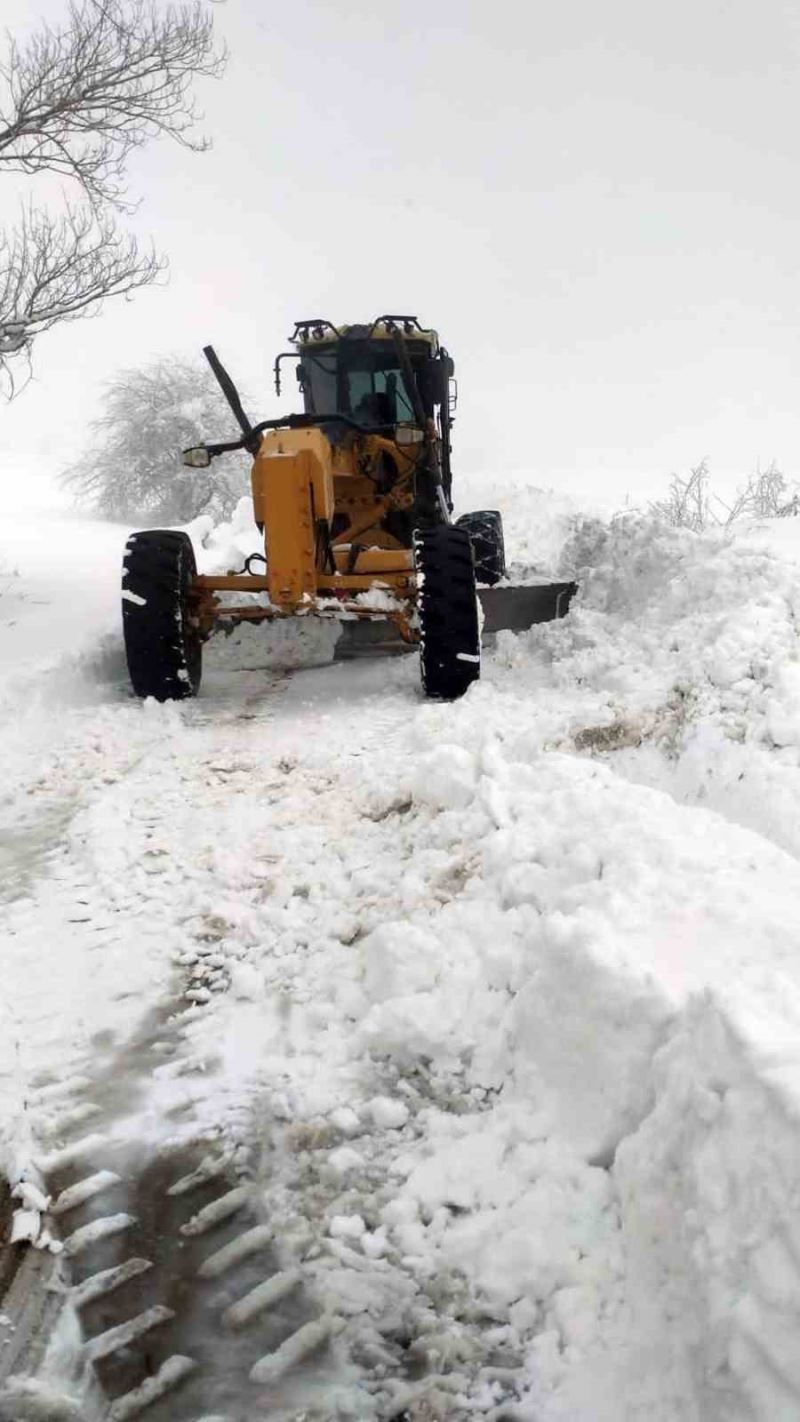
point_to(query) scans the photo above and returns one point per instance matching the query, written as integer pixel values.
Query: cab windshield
(359, 379)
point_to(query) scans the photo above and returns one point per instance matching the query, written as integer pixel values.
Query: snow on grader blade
(353, 500)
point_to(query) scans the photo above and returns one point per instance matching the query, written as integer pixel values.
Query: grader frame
(326, 486)
(353, 500)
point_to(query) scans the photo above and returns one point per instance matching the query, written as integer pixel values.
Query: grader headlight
(197, 458)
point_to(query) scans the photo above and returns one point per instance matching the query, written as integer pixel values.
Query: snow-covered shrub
(133, 471)
(688, 503)
(767, 495)
(691, 503)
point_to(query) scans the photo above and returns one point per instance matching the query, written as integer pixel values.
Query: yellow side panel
(308, 441)
(289, 528)
(292, 488)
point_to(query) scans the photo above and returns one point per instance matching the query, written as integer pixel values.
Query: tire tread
(485, 529)
(448, 611)
(163, 652)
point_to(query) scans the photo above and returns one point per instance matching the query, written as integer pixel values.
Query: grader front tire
(162, 645)
(448, 611)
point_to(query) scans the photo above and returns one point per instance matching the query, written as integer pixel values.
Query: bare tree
(133, 471)
(76, 101)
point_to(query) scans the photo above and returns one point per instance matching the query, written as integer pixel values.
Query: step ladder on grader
(353, 498)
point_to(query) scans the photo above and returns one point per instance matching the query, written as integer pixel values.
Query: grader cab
(353, 499)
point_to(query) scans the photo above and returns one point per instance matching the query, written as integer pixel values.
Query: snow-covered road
(492, 1009)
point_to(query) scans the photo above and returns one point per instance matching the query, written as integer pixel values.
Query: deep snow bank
(655, 1021)
(679, 660)
(709, 1196)
(679, 666)
(693, 645)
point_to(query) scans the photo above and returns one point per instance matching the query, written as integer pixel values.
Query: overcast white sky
(595, 202)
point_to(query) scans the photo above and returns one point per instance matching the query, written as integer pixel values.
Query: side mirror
(435, 379)
(197, 458)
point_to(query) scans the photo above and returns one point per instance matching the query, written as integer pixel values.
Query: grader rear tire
(163, 647)
(485, 529)
(450, 653)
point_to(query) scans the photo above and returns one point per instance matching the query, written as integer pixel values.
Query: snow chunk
(399, 958)
(346, 1227)
(446, 780)
(345, 1159)
(378, 598)
(29, 1400)
(246, 983)
(25, 1226)
(783, 709)
(31, 1196)
(388, 1114)
(345, 1119)
(374, 1243)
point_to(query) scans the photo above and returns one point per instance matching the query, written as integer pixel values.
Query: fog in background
(596, 205)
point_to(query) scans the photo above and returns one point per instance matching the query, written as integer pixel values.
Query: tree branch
(76, 100)
(79, 99)
(55, 269)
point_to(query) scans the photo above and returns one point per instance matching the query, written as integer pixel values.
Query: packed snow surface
(500, 999)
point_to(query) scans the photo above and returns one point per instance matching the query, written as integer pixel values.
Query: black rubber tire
(447, 604)
(164, 650)
(485, 529)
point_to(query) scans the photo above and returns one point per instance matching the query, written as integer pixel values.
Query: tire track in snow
(173, 1274)
(66, 957)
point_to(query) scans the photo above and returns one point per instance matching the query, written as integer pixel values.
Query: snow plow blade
(511, 609)
(515, 609)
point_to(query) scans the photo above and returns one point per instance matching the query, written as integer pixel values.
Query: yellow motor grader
(353, 499)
